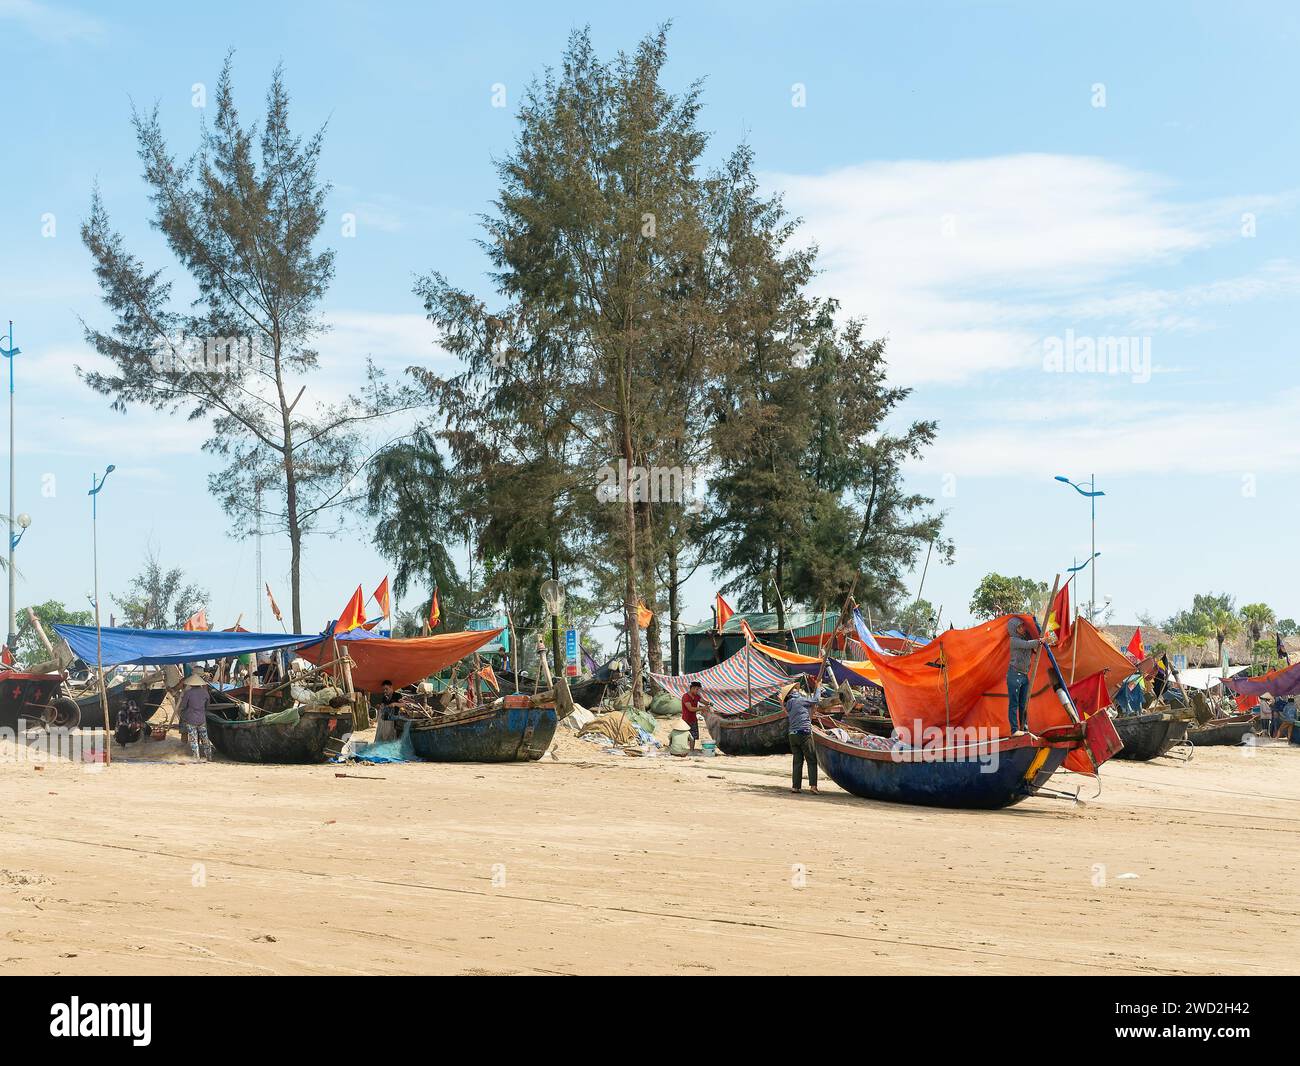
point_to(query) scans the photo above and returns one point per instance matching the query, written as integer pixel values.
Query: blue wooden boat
(493, 734)
(995, 773)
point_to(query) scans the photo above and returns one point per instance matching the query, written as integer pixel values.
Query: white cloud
(1141, 436)
(966, 265)
(50, 23)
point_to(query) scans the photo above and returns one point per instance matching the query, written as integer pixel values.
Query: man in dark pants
(1022, 650)
(799, 704)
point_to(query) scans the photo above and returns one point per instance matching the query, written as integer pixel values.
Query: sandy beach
(601, 864)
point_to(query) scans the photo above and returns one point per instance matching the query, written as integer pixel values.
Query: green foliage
(242, 218)
(1257, 617)
(917, 618)
(159, 598)
(997, 595)
(30, 648)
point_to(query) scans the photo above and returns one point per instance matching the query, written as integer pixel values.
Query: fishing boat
(1148, 736)
(90, 712)
(494, 733)
(27, 696)
(1230, 729)
(295, 735)
(986, 775)
(765, 730)
(948, 705)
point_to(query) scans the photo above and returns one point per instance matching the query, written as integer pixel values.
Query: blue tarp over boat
(160, 647)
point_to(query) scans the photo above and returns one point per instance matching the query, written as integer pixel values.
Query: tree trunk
(674, 650)
(779, 576)
(295, 537)
(650, 586)
(555, 623)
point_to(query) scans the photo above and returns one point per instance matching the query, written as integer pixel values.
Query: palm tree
(1225, 625)
(1256, 616)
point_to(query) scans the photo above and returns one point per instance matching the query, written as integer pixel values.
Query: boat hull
(509, 734)
(987, 776)
(274, 740)
(1148, 736)
(92, 713)
(768, 734)
(1222, 731)
(26, 696)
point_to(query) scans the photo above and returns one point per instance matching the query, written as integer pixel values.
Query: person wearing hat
(679, 737)
(799, 704)
(194, 716)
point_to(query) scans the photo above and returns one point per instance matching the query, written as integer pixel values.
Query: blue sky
(970, 198)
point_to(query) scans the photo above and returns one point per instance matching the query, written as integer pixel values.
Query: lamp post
(1092, 494)
(9, 351)
(97, 483)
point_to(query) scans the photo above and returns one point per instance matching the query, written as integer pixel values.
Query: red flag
(1090, 694)
(197, 621)
(1059, 617)
(644, 616)
(7, 656)
(381, 597)
(1135, 646)
(747, 631)
(724, 610)
(275, 609)
(489, 675)
(354, 613)
(435, 612)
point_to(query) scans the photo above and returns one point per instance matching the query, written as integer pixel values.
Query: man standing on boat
(691, 704)
(1023, 647)
(799, 704)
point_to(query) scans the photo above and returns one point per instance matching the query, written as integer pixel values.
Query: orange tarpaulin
(973, 663)
(401, 661)
(795, 659)
(1085, 652)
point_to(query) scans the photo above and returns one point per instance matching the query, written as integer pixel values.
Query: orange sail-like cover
(1086, 652)
(974, 663)
(401, 661)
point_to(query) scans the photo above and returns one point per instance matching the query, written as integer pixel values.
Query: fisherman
(691, 704)
(799, 702)
(194, 716)
(386, 700)
(1022, 649)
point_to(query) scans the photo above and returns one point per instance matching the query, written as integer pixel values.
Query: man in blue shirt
(799, 704)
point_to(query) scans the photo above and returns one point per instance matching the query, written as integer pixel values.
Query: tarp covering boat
(959, 679)
(160, 647)
(1284, 681)
(733, 684)
(403, 661)
(1086, 651)
(852, 671)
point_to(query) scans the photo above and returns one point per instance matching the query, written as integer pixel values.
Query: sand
(604, 864)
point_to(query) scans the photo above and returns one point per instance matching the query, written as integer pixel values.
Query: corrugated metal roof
(804, 623)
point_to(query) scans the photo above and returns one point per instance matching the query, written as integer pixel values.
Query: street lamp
(1092, 494)
(97, 483)
(9, 351)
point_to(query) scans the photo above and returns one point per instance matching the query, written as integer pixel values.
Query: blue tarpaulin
(159, 647)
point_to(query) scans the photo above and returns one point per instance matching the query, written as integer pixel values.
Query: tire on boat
(62, 713)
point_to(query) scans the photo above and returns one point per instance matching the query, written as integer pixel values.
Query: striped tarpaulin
(725, 685)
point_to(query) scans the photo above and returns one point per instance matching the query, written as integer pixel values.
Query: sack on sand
(666, 705)
(616, 726)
